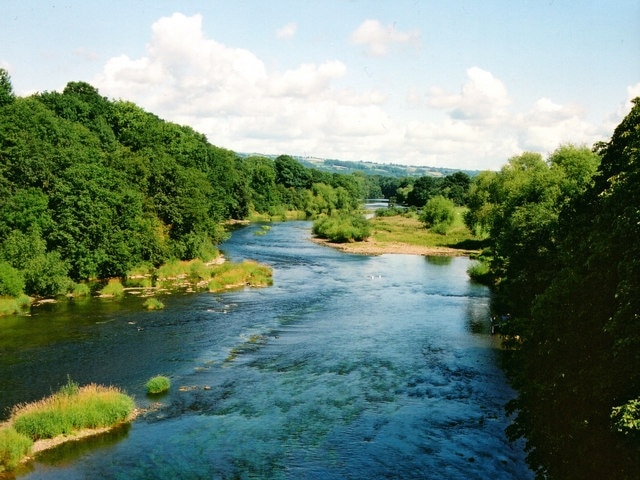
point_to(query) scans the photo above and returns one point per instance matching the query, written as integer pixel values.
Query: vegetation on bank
(341, 228)
(67, 411)
(564, 261)
(408, 227)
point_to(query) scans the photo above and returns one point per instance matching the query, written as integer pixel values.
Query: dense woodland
(564, 262)
(91, 188)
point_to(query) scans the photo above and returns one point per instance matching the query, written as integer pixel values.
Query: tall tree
(6, 88)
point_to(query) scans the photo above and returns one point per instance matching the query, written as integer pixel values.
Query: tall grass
(233, 275)
(14, 305)
(72, 408)
(13, 447)
(113, 288)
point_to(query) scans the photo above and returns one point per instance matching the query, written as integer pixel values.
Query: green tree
(579, 357)
(291, 173)
(6, 88)
(438, 214)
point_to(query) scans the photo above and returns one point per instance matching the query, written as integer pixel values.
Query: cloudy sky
(449, 83)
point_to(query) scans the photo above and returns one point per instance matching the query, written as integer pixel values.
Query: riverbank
(373, 247)
(406, 234)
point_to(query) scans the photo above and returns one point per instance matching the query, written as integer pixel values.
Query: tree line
(91, 188)
(564, 264)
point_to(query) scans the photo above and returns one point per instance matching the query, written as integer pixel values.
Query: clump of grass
(153, 303)
(198, 271)
(14, 447)
(479, 271)
(235, 275)
(113, 288)
(72, 408)
(158, 384)
(14, 305)
(80, 290)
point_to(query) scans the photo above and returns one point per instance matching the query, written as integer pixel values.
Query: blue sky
(452, 83)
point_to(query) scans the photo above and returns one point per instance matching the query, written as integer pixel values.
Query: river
(348, 367)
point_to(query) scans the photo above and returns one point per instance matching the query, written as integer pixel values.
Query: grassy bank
(66, 412)
(408, 229)
(405, 233)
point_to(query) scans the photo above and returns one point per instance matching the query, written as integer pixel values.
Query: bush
(11, 280)
(438, 214)
(342, 228)
(13, 447)
(158, 384)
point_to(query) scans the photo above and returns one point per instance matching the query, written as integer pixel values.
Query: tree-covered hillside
(92, 187)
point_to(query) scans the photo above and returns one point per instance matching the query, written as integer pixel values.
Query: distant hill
(371, 168)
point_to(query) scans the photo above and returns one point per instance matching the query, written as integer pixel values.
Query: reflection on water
(347, 367)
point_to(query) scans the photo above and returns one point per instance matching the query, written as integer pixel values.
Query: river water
(348, 367)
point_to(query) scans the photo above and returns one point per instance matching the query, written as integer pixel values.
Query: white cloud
(231, 96)
(483, 98)
(548, 124)
(287, 31)
(379, 38)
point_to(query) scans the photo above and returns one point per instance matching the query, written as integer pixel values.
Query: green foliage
(158, 384)
(235, 275)
(11, 280)
(567, 245)
(91, 187)
(153, 303)
(6, 89)
(14, 447)
(438, 214)
(626, 418)
(80, 290)
(14, 305)
(342, 228)
(72, 408)
(479, 272)
(113, 288)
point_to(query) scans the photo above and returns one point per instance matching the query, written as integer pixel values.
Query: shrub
(153, 303)
(13, 447)
(11, 280)
(342, 228)
(158, 384)
(438, 214)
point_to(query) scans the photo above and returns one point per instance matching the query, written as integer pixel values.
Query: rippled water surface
(348, 367)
